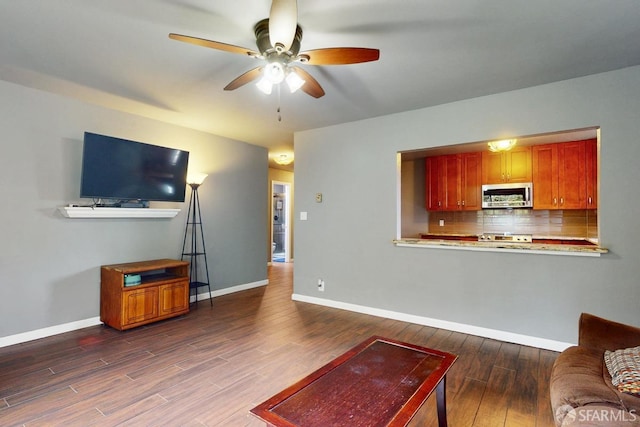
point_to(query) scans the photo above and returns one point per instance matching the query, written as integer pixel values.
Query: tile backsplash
(543, 223)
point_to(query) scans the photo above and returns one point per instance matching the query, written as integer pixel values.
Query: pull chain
(279, 102)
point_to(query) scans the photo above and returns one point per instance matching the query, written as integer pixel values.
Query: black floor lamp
(196, 251)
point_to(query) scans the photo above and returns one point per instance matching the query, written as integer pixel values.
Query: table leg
(441, 403)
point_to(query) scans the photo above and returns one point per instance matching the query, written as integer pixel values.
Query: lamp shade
(265, 86)
(294, 81)
(274, 72)
(196, 178)
(283, 19)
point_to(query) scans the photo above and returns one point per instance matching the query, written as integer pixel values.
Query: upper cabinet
(435, 192)
(561, 173)
(564, 176)
(471, 181)
(507, 166)
(592, 173)
(453, 182)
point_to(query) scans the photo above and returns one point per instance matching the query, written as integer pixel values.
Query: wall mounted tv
(120, 171)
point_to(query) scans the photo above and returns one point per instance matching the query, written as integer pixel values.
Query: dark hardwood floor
(211, 366)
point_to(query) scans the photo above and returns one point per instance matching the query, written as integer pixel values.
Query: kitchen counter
(540, 245)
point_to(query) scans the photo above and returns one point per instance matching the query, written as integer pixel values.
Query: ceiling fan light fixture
(294, 81)
(264, 85)
(274, 72)
(502, 145)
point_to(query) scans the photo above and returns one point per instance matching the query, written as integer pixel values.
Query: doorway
(280, 221)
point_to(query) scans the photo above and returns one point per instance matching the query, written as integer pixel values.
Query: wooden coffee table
(380, 382)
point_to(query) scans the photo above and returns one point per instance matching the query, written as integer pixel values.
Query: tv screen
(123, 170)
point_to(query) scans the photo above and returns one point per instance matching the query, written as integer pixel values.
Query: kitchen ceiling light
(283, 159)
(502, 145)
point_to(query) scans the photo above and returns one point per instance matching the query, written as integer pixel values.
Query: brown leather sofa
(580, 387)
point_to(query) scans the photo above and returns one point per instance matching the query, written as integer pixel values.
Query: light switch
(303, 216)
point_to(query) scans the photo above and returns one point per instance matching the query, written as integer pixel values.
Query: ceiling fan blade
(283, 21)
(245, 78)
(214, 45)
(311, 85)
(339, 55)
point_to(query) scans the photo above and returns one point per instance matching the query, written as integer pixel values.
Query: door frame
(287, 218)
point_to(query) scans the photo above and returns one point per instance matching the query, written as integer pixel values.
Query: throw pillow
(624, 367)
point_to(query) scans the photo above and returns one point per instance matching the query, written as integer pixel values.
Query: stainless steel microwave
(508, 195)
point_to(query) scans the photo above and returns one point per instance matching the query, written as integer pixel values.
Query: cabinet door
(492, 168)
(434, 185)
(545, 176)
(174, 297)
(453, 182)
(470, 181)
(591, 149)
(507, 166)
(453, 200)
(139, 305)
(518, 164)
(572, 184)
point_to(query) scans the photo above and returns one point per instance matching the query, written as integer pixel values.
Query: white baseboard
(442, 324)
(419, 320)
(47, 332)
(72, 326)
(229, 290)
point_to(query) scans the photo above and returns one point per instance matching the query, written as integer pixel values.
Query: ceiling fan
(278, 39)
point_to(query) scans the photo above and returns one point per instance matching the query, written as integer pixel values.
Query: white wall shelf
(89, 212)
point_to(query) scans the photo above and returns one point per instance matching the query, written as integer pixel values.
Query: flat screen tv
(120, 170)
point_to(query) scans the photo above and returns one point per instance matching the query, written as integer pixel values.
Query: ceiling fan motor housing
(272, 53)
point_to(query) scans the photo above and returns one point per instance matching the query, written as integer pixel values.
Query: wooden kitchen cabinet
(471, 181)
(545, 176)
(435, 183)
(163, 292)
(453, 182)
(506, 166)
(560, 175)
(591, 148)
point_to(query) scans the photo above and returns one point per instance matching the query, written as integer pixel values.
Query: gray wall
(347, 239)
(49, 265)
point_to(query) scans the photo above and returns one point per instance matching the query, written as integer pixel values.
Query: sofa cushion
(624, 367)
(577, 379)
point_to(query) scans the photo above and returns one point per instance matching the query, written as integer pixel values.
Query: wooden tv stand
(162, 293)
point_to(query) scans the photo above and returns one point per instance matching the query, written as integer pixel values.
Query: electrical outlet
(318, 197)
(320, 285)
(441, 222)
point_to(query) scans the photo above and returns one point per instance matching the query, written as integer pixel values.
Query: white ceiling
(117, 53)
